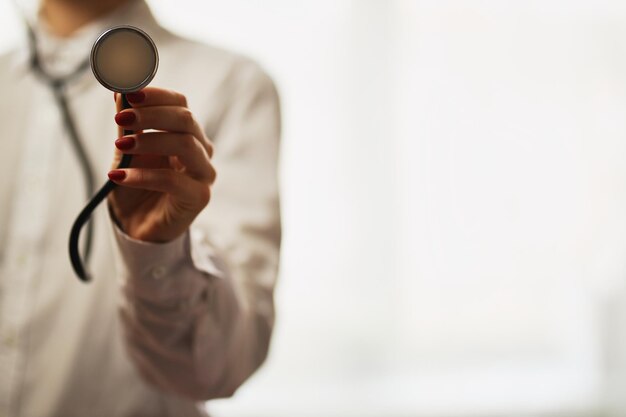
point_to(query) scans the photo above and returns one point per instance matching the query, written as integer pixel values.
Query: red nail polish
(117, 175)
(125, 143)
(136, 97)
(125, 118)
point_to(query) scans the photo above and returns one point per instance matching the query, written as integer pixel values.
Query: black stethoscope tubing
(57, 85)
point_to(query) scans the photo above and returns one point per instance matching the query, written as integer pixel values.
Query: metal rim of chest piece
(102, 39)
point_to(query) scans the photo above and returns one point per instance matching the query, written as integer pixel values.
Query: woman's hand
(169, 181)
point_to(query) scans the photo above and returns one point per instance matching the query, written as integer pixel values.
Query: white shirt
(162, 326)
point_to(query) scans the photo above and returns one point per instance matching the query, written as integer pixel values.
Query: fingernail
(125, 118)
(117, 175)
(125, 143)
(136, 97)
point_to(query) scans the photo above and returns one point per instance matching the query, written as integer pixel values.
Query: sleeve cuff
(152, 260)
(156, 261)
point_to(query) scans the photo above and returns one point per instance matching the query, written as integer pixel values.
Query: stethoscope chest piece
(124, 59)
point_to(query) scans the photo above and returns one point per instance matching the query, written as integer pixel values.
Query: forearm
(198, 323)
(187, 327)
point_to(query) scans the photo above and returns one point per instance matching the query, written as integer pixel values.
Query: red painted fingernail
(125, 143)
(125, 118)
(117, 175)
(136, 97)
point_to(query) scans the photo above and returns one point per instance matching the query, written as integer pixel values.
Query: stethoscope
(124, 59)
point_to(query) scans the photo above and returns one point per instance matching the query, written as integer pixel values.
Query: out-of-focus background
(454, 195)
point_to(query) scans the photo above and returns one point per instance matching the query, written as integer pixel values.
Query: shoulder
(12, 60)
(239, 74)
(212, 64)
(211, 77)
(14, 67)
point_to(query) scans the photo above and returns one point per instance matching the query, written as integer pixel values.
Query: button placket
(29, 215)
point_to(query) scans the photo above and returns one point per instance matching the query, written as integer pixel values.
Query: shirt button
(158, 272)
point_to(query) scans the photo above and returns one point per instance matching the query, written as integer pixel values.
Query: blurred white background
(454, 200)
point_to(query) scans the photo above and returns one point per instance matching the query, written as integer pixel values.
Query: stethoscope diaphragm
(124, 59)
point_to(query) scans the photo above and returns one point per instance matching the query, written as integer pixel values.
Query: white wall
(454, 195)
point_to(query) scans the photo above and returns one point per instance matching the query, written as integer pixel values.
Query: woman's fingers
(153, 96)
(160, 109)
(193, 193)
(184, 146)
(168, 118)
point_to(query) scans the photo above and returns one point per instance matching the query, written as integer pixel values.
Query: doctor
(180, 309)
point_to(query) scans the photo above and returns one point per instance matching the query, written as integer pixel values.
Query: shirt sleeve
(198, 311)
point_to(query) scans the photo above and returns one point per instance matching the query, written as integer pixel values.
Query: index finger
(118, 108)
(155, 96)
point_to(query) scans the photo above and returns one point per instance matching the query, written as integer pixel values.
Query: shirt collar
(60, 56)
